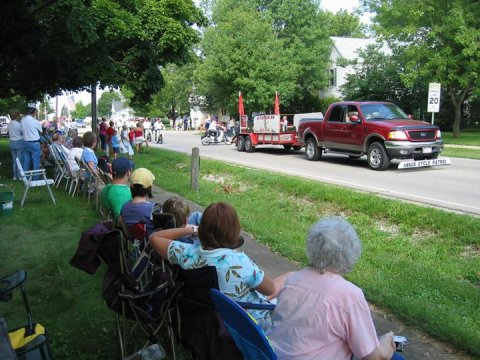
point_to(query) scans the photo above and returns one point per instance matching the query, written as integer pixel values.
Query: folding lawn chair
(30, 341)
(201, 330)
(247, 334)
(74, 176)
(27, 178)
(137, 306)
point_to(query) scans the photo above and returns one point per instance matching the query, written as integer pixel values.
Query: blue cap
(121, 165)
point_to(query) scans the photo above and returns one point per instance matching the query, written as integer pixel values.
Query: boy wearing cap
(140, 208)
(116, 194)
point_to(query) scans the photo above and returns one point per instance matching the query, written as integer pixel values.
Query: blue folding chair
(246, 333)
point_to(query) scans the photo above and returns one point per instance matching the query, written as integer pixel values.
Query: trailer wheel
(377, 156)
(241, 143)
(248, 144)
(312, 151)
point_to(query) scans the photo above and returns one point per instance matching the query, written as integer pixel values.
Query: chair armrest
(253, 306)
(34, 172)
(10, 282)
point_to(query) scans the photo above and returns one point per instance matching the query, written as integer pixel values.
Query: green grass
(420, 263)
(461, 152)
(465, 138)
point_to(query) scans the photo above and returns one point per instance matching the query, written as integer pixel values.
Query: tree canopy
(261, 47)
(104, 105)
(54, 45)
(439, 41)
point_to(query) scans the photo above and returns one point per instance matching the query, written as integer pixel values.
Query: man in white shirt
(159, 128)
(31, 130)
(147, 125)
(212, 129)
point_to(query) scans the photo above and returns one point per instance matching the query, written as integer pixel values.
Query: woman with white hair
(319, 314)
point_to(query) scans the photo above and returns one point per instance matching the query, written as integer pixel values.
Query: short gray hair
(333, 245)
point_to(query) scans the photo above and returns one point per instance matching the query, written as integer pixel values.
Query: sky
(85, 97)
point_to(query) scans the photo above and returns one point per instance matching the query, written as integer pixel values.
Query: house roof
(348, 47)
(118, 105)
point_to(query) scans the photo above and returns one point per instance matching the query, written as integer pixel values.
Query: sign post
(433, 99)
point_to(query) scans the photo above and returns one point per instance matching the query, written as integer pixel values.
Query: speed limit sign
(433, 97)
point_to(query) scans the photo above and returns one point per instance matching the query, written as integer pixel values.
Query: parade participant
(16, 141)
(31, 130)
(159, 130)
(147, 127)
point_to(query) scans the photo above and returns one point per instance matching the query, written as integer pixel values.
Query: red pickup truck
(380, 130)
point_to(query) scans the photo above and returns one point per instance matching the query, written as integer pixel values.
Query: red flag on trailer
(276, 108)
(241, 110)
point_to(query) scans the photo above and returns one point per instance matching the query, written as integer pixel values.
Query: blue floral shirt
(238, 275)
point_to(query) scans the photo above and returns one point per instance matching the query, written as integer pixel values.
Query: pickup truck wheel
(378, 157)
(241, 143)
(248, 144)
(312, 152)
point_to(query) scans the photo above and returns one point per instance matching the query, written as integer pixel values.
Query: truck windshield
(382, 112)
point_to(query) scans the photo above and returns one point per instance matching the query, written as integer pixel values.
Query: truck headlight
(397, 135)
(438, 134)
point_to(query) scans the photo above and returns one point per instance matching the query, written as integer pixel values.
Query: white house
(120, 112)
(342, 48)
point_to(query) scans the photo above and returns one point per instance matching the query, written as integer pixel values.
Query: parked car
(4, 120)
(81, 123)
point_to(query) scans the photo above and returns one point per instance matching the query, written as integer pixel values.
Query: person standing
(31, 130)
(102, 133)
(110, 131)
(16, 141)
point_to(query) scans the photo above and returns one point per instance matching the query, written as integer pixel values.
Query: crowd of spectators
(318, 313)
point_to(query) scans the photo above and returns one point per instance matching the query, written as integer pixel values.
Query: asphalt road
(455, 187)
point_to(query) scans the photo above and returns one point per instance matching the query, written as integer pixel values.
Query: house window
(333, 77)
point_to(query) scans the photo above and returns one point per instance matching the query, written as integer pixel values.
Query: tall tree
(440, 41)
(81, 110)
(104, 105)
(53, 45)
(343, 24)
(377, 76)
(242, 53)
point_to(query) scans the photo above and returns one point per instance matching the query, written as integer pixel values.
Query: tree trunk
(456, 120)
(457, 99)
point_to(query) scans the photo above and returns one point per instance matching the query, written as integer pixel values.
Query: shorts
(116, 149)
(139, 140)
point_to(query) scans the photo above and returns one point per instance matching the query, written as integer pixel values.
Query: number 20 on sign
(433, 99)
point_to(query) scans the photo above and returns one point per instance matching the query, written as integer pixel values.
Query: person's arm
(160, 240)
(279, 281)
(384, 350)
(266, 287)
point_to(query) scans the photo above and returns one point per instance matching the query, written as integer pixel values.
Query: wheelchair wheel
(160, 139)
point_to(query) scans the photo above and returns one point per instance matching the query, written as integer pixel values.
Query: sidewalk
(419, 346)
